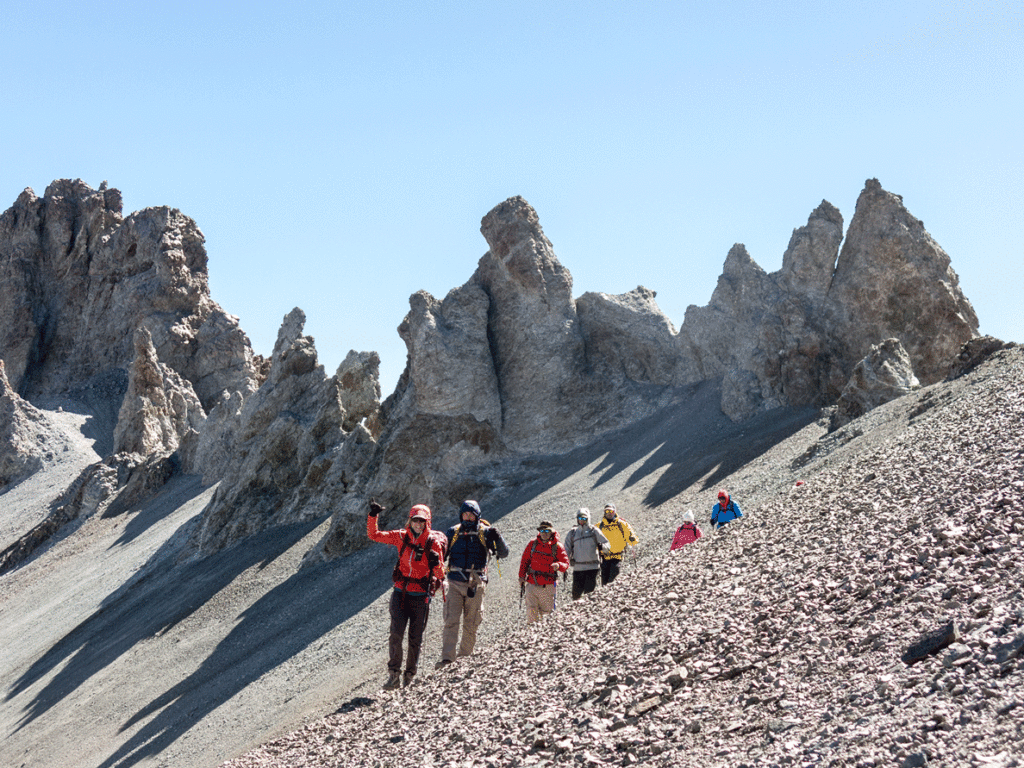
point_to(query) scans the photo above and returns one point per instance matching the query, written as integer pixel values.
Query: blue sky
(338, 157)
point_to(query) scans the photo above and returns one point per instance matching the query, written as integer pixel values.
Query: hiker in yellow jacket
(619, 535)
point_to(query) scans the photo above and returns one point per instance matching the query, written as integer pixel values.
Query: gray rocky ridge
(507, 366)
(80, 278)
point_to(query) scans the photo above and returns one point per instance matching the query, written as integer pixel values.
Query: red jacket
(686, 534)
(419, 560)
(535, 565)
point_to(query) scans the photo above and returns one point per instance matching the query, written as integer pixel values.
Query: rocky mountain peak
(892, 280)
(81, 278)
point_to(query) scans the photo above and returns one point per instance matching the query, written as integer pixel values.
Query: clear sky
(338, 156)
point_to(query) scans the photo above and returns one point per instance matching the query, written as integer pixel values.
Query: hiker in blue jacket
(725, 510)
(470, 545)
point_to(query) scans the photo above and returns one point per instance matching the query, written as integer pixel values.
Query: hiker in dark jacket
(417, 574)
(725, 510)
(470, 545)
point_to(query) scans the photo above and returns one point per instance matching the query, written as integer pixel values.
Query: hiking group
(456, 563)
(725, 511)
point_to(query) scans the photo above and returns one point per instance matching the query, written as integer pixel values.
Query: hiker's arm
(436, 567)
(383, 537)
(632, 539)
(563, 559)
(500, 548)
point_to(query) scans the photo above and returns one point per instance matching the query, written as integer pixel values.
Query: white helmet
(688, 517)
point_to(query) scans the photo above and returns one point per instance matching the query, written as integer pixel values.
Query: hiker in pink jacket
(686, 533)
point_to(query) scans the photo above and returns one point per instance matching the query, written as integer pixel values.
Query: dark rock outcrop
(974, 353)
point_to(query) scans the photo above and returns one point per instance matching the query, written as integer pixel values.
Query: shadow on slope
(686, 441)
(279, 625)
(140, 609)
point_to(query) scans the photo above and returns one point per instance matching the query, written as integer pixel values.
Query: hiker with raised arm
(620, 535)
(417, 574)
(470, 544)
(726, 510)
(543, 559)
(687, 533)
(584, 545)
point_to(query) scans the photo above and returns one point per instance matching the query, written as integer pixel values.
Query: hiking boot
(407, 679)
(394, 680)
(442, 663)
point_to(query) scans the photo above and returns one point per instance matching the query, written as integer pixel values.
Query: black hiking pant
(583, 582)
(609, 570)
(410, 609)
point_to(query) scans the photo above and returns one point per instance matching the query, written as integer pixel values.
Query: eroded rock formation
(893, 280)
(160, 412)
(793, 337)
(79, 278)
(883, 375)
(507, 365)
(21, 449)
(290, 457)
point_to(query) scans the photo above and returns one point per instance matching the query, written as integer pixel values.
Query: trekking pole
(522, 591)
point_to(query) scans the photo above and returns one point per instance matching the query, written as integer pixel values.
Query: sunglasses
(543, 530)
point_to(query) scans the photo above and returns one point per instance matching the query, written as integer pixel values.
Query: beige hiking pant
(460, 608)
(540, 600)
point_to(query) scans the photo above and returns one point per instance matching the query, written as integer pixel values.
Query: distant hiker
(619, 535)
(687, 533)
(417, 574)
(583, 544)
(725, 510)
(543, 559)
(470, 544)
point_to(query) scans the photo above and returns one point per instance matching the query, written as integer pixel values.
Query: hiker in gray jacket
(582, 545)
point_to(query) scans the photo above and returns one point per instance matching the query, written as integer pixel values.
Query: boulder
(885, 374)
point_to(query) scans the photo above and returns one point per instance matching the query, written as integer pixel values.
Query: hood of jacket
(419, 509)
